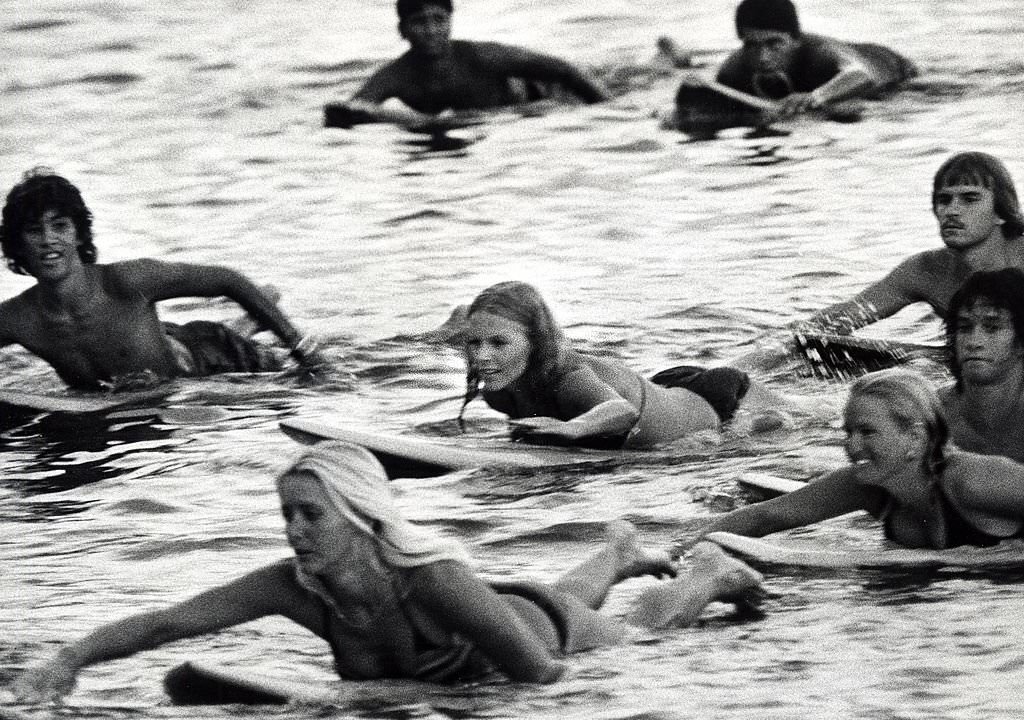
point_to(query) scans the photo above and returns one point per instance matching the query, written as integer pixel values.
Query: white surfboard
(82, 402)
(414, 457)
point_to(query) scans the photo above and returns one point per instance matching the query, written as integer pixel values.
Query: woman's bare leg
(712, 575)
(622, 557)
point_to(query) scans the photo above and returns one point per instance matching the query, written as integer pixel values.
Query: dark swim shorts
(722, 387)
(216, 348)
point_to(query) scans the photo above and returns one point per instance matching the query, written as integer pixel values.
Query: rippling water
(193, 129)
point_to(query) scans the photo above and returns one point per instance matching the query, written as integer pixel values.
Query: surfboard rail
(1007, 556)
(416, 457)
(81, 403)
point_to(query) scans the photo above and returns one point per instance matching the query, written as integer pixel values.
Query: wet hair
(405, 8)
(1002, 289)
(978, 168)
(767, 15)
(550, 353)
(39, 191)
(911, 400)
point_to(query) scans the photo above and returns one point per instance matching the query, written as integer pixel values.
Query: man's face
(966, 215)
(428, 31)
(50, 246)
(769, 51)
(986, 345)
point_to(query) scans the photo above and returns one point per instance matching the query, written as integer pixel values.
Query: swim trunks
(207, 348)
(722, 387)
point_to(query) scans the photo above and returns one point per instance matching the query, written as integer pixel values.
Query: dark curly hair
(405, 8)
(39, 191)
(978, 168)
(551, 355)
(1002, 289)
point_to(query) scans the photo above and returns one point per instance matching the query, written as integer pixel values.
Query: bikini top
(958, 529)
(419, 648)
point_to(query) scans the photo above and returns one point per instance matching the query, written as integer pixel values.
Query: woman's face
(498, 348)
(879, 447)
(318, 533)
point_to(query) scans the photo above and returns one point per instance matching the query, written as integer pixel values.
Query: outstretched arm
(464, 604)
(244, 599)
(831, 495)
(158, 280)
(519, 62)
(594, 407)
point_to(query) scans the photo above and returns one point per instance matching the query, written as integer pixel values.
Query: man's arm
(514, 61)
(852, 78)
(877, 301)
(157, 280)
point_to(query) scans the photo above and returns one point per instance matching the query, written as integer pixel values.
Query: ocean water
(194, 131)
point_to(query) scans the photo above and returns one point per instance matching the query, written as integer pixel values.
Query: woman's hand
(46, 681)
(538, 427)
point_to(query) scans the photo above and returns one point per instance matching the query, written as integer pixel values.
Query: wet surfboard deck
(406, 456)
(1007, 556)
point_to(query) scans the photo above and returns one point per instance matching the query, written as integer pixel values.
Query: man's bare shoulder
(384, 81)
(129, 275)
(18, 312)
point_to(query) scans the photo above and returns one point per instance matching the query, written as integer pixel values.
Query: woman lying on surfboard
(926, 493)
(519, 359)
(395, 600)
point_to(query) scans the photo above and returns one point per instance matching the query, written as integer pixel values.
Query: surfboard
(201, 683)
(1007, 556)
(770, 485)
(843, 356)
(80, 403)
(416, 457)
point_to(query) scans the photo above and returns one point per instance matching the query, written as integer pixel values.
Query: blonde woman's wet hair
(911, 401)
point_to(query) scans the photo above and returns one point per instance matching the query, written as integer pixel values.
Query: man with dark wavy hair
(985, 342)
(438, 73)
(980, 222)
(803, 70)
(96, 324)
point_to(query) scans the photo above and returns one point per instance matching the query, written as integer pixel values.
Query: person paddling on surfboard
(985, 340)
(925, 492)
(980, 221)
(96, 324)
(397, 600)
(801, 71)
(439, 74)
(519, 359)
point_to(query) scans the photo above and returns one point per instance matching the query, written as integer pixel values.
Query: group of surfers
(779, 71)
(937, 468)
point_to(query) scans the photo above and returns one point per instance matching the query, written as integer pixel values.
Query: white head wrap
(357, 485)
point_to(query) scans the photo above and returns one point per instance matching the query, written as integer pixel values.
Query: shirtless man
(97, 325)
(438, 74)
(980, 222)
(801, 70)
(985, 328)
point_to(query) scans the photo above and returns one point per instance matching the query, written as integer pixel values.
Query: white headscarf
(357, 485)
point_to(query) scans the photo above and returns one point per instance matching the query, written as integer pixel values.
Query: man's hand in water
(45, 682)
(795, 104)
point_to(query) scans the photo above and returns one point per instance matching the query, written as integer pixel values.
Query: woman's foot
(734, 581)
(632, 559)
